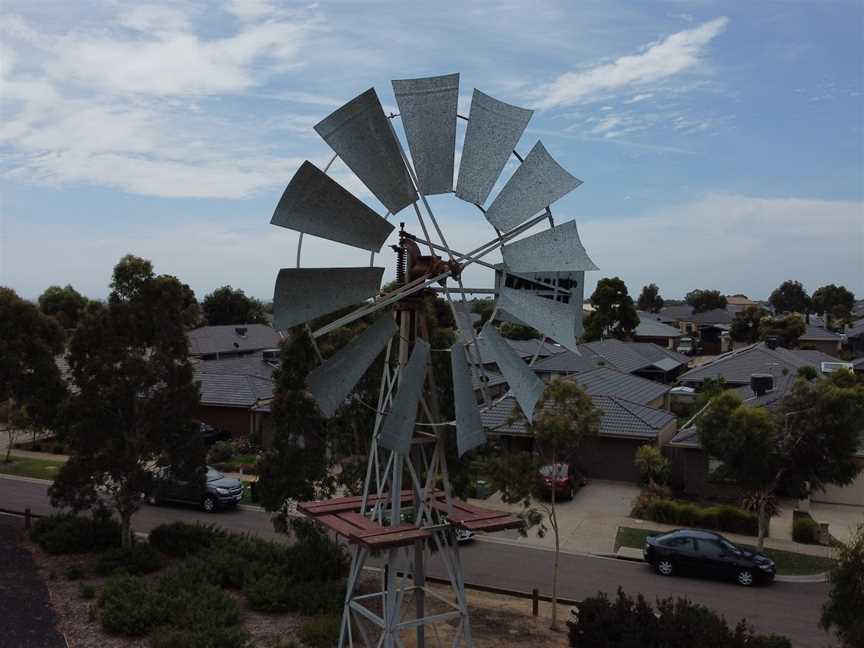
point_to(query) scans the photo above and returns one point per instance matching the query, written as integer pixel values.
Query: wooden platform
(342, 515)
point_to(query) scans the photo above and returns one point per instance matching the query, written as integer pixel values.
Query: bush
(722, 517)
(179, 539)
(74, 572)
(653, 467)
(321, 631)
(629, 622)
(172, 637)
(221, 451)
(128, 606)
(805, 529)
(272, 593)
(87, 591)
(67, 533)
(137, 560)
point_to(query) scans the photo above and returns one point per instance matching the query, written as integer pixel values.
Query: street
(791, 609)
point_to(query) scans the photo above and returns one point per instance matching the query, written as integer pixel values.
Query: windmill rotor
(314, 204)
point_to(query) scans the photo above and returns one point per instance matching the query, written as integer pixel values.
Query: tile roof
(623, 356)
(856, 329)
(650, 326)
(655, 353)
(737, 366)
(568, 363)
(235, 382)
(209, 340)
(819, 333)
(684, 313)
(605, 381)
(621, 418)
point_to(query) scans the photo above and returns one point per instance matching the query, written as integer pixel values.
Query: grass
(27, 467)
(788, 563)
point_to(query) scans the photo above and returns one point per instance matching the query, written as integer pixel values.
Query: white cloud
(606, 124)
(659, 61)
(733, 243)
(154, 18)
(639, 97)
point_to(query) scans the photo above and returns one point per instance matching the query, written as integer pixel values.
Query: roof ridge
(627, 404)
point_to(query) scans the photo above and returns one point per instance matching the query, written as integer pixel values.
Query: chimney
(761, 383)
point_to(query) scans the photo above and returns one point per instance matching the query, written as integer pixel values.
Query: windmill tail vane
(407, 506)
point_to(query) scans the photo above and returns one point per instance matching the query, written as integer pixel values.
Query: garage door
(851, 494)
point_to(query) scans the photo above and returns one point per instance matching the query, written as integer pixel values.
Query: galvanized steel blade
(557, 320)
(494, 128)
(314, 203)
(556, 249)
(524, 383)
(539, 181)
(360, 133)
(398, 426)
(331, 382)
(428, 109)
(469, 427)
(302, 294)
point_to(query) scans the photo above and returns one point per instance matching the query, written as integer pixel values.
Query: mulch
(29, 620)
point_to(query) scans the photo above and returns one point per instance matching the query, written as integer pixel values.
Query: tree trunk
(762, 523)
(125, 529)
(553, 518)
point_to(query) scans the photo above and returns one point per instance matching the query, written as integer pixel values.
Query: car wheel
(745, 577)
(208, 503)
(665, 567)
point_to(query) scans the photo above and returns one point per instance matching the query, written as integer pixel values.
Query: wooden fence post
(27, 518)
(535, 602)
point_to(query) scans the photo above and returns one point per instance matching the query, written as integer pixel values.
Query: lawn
(27, 467)
(789, 563)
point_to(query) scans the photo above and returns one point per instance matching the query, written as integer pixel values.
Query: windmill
(405, 447)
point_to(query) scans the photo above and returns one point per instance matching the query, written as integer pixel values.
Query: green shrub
(179, 539)
(87, 591)
(221, 451)
(321, 631)
(199, 606)
(626, 622)
(128, 606)
(173, 637)
(805, 529)
(67, 533)
(723, 517)
(272, 593)
(653, 467)
(74, 572)
(137, 560)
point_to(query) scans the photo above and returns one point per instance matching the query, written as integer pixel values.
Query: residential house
(820, 338)
(236, 392)
(855, 338)
(651, 329)
(711, 327)
(212, 342)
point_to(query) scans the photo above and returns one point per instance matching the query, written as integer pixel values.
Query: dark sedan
(211, 491)
(708, 553)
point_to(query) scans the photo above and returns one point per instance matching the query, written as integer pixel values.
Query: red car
(563, 478)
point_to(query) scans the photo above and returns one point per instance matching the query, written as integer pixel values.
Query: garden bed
(788, 563)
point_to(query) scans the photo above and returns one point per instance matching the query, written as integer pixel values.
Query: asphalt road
(790, 609)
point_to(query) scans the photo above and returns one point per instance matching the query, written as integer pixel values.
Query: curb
(563, 552)
(32, 480)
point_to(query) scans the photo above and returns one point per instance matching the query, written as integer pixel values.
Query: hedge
(136, 560)
(805, 529)
(722, 517)
(67, 533)
(179, 539)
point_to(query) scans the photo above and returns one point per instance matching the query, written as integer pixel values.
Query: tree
(614, 313)
(563, 418)
(63, 304)
(790, 297)
(788, 328)
(484, 308)
(745, 326)
(705, 300)
(650, 299)
(30, 380)
(842, 611)
(513, 331)
(135, 397)
(654, 469)
(806, 443)
(827, 297)
(226, 305)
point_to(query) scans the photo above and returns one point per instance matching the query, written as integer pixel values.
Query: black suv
(706, 552)
(213, 491)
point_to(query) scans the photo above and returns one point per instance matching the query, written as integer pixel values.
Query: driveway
(842, 519)
(588, 523)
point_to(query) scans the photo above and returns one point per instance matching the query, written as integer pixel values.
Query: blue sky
(720, 143)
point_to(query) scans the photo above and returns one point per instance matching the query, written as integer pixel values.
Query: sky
(721, 144)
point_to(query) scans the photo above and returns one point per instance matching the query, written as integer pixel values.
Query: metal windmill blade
(428, 107)
(398, 426)
(494, 128)
(554, 250)
(538, 182)
(554, 319)
(524, 383)
(332, 381)
(469, 427)
(360, 134)
(302, 294)
(316, 204)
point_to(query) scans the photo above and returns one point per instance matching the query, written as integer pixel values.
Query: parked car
(563, 478)
(689, 346)
(708, 553)
(212, 434)
(213, 491)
